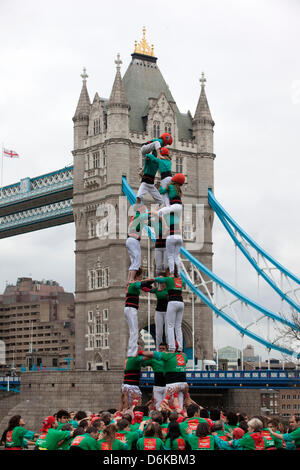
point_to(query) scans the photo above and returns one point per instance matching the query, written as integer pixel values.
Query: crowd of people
(142, 427)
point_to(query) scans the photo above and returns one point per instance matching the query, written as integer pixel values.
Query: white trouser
(158, 395)
(180, 387)
(149, 188)
(161, 261)
(132, 391)
(173, 245)
(160, 323)
(134, 249)
(131, 315)
(176, 208)
(164, 183)
(174, 316)
(148, 148)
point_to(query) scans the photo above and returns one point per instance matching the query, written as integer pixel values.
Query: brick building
(36, 324)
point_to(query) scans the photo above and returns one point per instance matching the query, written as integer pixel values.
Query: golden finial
(143, 47)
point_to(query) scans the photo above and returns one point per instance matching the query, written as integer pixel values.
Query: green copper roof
(143, 80)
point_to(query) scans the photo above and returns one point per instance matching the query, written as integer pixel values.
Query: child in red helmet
(155, 145)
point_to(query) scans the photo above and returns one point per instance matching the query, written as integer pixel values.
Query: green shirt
(164, 165)
(201, 443)
(116, 445)
(171, 190)
(55, 437)
(293, 436)
(270, 442)
(40, 442)
(230, 427)
(175, 444)
(150, 165)
(129, 437)
(18, 437)
(173, 362)
(150, 443)
(85, 442)
(157, 366)
(172, 283)
(253, 441)
(160, 294)
(133, 363)
(190, 424)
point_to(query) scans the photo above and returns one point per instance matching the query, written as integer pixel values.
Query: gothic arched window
(168, 127)
(156, 129)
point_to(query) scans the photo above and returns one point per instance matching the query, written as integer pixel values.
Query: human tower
(168, 361)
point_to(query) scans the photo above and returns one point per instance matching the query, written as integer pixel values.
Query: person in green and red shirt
(131, 309)
(231, 421)
(201, 440)
(125, 435)
(175, 370)
(273, 426)
(223, 438)
(191, 423)
(135, 228)
(109, 441)
(218, 431)
(131, 381)
(155, 146)
(175, 308)
(159, 387)
(148, 178)
(16, 437)
(49, 422)
(253, 439)
(62, 417)
(56, 437)
(174, 439)
(292, 438)
(151, 439)
(86, 441)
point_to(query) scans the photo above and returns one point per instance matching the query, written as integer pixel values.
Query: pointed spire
(202, 110)
(96, 97)
(118, 95)
(84, 104)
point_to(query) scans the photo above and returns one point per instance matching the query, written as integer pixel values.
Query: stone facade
(36, 324)
(108, 135)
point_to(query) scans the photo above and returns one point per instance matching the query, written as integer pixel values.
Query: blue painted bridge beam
(221, 379)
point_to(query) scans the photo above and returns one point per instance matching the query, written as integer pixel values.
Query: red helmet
(167, 138)
(164, 151)
(178, 178)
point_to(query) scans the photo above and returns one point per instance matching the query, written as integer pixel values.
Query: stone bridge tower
(108, 134)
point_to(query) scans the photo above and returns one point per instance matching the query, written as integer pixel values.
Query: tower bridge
(37, 203)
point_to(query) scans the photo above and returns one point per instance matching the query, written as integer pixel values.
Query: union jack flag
(10, 153)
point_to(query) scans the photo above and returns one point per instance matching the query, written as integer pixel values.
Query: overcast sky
(248, 51)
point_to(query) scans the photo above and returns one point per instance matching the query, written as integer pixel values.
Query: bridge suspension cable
(256, 255)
